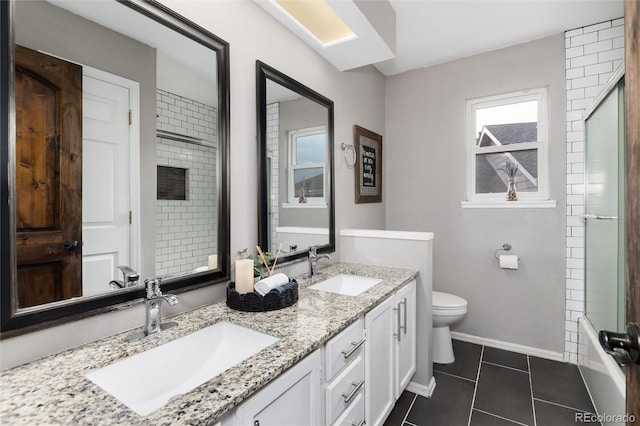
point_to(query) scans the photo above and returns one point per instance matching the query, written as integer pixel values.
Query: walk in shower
(604, 245)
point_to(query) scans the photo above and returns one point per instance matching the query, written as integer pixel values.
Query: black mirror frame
(264, 72)
(15, 323)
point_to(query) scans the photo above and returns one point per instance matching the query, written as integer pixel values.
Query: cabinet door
(379, 370)
(293, 399)
(405, 303)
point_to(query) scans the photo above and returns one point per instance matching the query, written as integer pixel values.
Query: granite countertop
(54, 390)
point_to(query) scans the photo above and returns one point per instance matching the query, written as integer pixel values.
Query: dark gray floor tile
(506, 358)
(400, 409)
(504, 392)
(478, 418)
(558, 382)
(466, 363)
(449, 405)
(551, 414)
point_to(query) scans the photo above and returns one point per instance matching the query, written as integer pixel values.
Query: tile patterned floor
(492, 387)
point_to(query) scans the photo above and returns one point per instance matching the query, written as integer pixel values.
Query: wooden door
(632, 118)
(48, 178)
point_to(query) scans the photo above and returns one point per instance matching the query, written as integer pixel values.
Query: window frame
(542, 144)
(292, 136)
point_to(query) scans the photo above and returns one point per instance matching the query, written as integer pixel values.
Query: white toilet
(447, 309)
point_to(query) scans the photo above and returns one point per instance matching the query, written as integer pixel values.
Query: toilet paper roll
(508, 261)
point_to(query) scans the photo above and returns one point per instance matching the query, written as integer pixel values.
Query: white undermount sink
(149, 380)
(348, 285)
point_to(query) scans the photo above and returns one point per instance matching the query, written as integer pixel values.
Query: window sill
(304, 205)
(542, 204)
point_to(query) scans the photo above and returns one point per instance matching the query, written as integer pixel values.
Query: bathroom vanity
(317, 371)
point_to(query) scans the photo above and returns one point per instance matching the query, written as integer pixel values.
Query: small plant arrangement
(511, 169)
(259, 266)
(261, 262)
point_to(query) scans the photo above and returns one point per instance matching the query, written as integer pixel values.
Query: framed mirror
(115, 118)
(296, 166)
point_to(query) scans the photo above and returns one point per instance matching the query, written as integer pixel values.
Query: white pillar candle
(244, 276)
(213, 261)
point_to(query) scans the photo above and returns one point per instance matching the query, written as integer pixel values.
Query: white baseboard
(423, 390)
(528, 350)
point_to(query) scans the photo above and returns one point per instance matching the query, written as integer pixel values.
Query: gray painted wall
(425, 183)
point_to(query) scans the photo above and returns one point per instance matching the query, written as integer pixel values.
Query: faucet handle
(153, 285)
(313, 251)
(130, 276)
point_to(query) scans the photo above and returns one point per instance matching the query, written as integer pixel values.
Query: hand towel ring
(346, 148)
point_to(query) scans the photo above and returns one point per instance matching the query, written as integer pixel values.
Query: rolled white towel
(265, 285)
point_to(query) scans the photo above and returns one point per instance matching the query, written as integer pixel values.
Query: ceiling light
(317, 17)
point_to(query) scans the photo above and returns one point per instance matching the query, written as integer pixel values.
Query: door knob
(628, 342)
(70, 245)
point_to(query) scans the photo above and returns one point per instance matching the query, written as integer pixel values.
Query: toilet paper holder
(505, 247)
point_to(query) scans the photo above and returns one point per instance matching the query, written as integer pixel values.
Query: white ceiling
(175, 53)
(430, 32)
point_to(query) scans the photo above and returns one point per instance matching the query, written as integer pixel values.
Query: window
(307, 158)
(504, 130)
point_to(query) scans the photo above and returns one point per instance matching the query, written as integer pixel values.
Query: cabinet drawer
(342, 391)
(354, 414)
(343, 348)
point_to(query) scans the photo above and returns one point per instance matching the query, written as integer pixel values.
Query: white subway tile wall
(273, 155)
(184, 116)
(185, 230)
(592, 54)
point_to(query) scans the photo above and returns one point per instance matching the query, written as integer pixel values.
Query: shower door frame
(632, 148)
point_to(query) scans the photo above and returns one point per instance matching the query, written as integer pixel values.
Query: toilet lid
(447, 301)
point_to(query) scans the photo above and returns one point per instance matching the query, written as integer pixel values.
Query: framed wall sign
(368, 169)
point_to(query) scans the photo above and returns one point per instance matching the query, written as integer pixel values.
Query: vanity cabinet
(355, 378)
(293, 399)
(390, 352)
(345, 376)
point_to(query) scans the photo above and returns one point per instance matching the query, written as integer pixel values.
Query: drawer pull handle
(398, 324)
(355, 390)
(360, 423)
(404, 327)
(356, 345)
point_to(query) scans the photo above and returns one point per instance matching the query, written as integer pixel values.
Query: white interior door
(106, 181)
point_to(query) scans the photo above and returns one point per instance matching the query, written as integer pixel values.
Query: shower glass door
(604, 209)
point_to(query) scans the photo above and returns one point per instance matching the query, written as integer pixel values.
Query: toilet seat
(447, 302)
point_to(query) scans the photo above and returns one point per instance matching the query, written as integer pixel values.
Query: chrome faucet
(153, 299)
(313, 259)
(131, 278)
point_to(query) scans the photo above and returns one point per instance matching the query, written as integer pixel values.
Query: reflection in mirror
(119, 154)
(295, 128)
